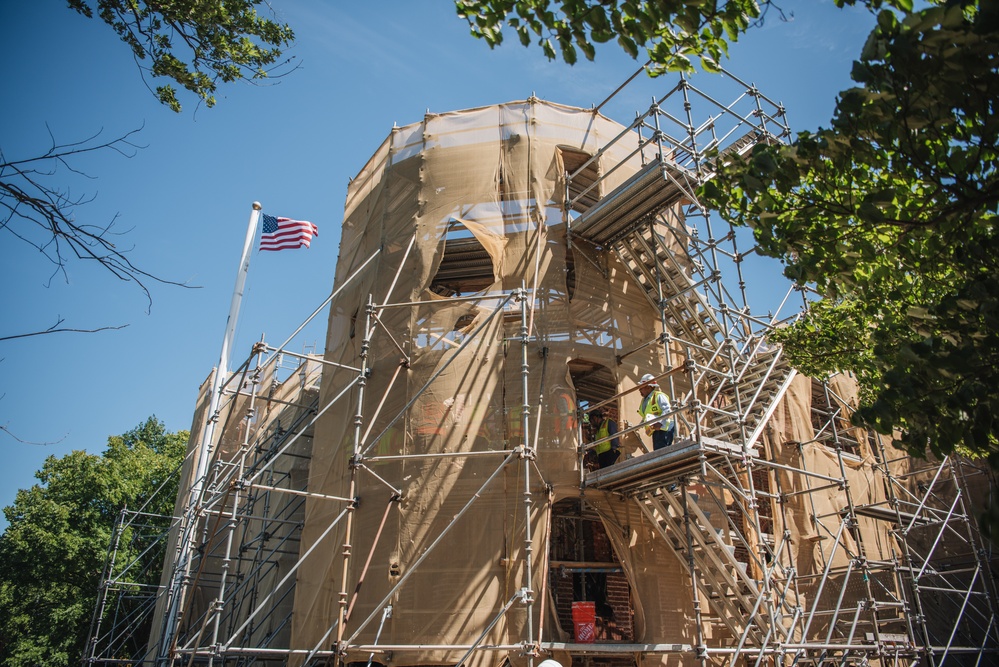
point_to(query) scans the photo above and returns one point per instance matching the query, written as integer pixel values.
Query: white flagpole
(223, 367)
(185, 548)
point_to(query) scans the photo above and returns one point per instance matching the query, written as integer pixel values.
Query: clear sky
(183, 199)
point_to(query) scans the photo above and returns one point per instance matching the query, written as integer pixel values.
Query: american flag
(284, 233)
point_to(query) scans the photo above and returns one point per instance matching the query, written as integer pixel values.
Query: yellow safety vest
(603, 432)
(650, 405)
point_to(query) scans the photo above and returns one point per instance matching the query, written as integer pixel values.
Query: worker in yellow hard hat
(655, 404)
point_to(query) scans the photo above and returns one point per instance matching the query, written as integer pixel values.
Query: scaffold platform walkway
(664, 466)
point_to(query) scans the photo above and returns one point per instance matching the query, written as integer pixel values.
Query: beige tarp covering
(495, 171)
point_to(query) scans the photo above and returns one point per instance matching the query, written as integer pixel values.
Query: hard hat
(649, 378)
(550, 663)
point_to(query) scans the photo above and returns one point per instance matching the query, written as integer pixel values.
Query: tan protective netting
(491, 175)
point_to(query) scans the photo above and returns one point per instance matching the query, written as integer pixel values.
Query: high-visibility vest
(650, 406)
(603, 432)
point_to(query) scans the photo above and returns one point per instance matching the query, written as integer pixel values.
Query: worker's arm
(612, 430)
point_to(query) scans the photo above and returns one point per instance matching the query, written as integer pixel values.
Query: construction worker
(655, 403)
(607, 451)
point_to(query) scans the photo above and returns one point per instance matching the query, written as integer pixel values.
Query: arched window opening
(440, 334)
(586, 579)
(594, 383)
(466, 266)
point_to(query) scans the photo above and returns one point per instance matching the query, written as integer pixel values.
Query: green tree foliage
(671, 31)
(195, 43)
(54, 550)
(891, 214)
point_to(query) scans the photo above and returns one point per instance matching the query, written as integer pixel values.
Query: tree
(890, 213)
(42, 214)
(53, 552)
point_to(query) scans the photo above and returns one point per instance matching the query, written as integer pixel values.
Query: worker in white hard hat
(655, 404)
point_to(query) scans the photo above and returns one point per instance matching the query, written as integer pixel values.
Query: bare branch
(43, 215)
(5, 429)
(55, 328)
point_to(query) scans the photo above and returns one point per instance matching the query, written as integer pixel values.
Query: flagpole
(230, 334)
(185, 548)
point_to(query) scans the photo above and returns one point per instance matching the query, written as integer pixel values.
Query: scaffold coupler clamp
(530, 650)
(340, 649)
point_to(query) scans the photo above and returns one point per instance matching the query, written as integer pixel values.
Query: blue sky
(183, 199)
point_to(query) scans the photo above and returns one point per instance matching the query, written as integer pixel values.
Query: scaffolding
(424, 493)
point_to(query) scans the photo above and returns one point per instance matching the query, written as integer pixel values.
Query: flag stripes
(285, 233)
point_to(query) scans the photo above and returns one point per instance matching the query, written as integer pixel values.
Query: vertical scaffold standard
(436, 498)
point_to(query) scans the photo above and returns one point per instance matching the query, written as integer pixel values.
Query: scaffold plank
(660, 184)
(660, 467)
(888, 514)
(655, 186)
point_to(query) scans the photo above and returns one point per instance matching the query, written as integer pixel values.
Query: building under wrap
(433, 499)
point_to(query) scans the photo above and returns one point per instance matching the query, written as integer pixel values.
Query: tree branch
(5, 429)
(55, 328)
(43, 215)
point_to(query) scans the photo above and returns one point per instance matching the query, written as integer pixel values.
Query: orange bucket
(584, 619)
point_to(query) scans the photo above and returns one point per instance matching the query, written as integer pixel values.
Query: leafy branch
(197, 44)
(672, 31)
(891, 213)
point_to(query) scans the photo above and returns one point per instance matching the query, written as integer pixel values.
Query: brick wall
(618, 625)
(619, 598)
